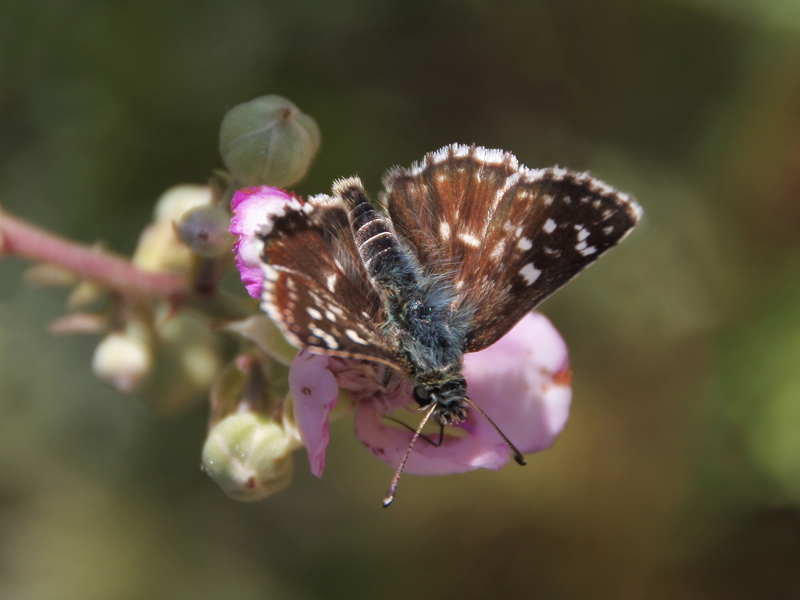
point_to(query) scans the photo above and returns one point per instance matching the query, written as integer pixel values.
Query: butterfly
(463, 245)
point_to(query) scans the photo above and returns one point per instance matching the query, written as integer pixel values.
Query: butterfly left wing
(315, 288)
(505, 237)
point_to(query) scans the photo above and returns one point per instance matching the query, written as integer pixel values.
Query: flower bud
(180, 198)
(268, 141)
(123, 358)
(249, 456)
(204, 230)
(159, 248)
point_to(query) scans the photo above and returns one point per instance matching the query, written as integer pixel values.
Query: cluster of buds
(270, 399)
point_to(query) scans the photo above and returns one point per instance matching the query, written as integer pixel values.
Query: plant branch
(21, 238)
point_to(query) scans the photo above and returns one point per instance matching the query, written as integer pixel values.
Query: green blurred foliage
(678, 475)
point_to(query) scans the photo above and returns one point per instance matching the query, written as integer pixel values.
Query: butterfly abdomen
(389, 266)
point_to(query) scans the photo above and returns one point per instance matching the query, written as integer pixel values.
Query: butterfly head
(448, 398)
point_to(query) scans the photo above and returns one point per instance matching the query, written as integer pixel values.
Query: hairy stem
(18, 237)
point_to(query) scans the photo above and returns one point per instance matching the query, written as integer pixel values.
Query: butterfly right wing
(502, 236)
(315, 288)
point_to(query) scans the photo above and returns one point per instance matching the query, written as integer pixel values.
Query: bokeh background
(678, 474)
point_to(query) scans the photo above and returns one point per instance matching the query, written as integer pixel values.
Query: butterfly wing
(504, 236)
(315, 288)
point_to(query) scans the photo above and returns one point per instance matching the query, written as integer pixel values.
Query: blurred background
(678, 474)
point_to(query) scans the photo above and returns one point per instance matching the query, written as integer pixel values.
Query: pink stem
(111, 270)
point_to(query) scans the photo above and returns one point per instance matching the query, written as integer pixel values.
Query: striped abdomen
(390, 267)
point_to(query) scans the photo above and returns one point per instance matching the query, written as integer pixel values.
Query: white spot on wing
(497, 251)
(524, 244)
(530, 273)
(326, 337)
(355, 337)
(269, 272)
(444, 229)
(469, 239)
(330, 281)
(549, 226)
(313, 313)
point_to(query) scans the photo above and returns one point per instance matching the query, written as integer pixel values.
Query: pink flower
(252, 208)
(522, 382)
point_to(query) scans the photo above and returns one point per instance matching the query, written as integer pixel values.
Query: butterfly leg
(436, 444)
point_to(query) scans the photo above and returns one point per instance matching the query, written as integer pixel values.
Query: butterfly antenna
(393, 486)
(517, 454)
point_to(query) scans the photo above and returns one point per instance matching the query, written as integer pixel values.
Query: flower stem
(18, 237)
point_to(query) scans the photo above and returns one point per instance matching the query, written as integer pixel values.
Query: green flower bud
(249, 456)
(159, 248)
(204, 230)
(268, 141)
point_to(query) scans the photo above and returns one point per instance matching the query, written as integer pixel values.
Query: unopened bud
(249, 456)
(179, 199)
(159, 248)
(205, 231)
(123, 358)
(268, 141)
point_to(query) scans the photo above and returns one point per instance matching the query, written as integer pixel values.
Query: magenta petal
(314, 394)
(522, 382)
(252, 209)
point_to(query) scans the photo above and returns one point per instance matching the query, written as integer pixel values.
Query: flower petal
(522, 382)
(455, 455)
(252, 209)
(314, 395)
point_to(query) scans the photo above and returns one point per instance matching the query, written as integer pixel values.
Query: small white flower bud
(268, 141)
(249, 456)
(123, 359)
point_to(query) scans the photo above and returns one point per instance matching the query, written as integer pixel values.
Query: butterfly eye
(422, 395)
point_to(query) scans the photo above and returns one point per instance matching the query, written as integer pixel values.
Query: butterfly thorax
(432, 347)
